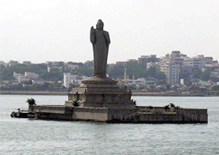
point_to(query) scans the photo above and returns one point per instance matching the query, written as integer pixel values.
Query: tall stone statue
(100, 40)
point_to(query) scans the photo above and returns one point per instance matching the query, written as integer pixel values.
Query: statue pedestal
(100, 92)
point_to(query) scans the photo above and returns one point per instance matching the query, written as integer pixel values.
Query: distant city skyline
(28, 61)
(40, 31)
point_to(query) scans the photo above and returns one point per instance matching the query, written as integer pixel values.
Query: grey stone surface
(139, 114)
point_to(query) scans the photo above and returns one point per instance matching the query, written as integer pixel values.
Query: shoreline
(133, 93)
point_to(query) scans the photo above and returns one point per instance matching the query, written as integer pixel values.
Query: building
(152, 64)
(27, 62)
(71, 65)
(17, 75)
(23, 79)
(171, 71)
(3, 63)
(177, 58)
(38, 81)
(4, 83)
(171, 65)
(198, 62)
(215, 73)
(68, 79)
(139, 81)
(27, 76)
(49, 68)
(61, 66)
(144, 59)
(31, 75)
(12, 63)
(150, 81)
(121, 63)
(185, 82)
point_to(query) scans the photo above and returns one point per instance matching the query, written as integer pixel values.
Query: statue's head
(99, 25)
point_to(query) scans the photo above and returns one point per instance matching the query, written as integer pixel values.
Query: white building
(170, 65)
(215, 73)
(31, 75)
(17, 75)
(151, 64)
(23, 78)
(150, 81)
(49, 68)
(139, 81)
(68, 78)
(198, 62)
(38, 81)
(72, 66)
(27, 76)
(171, 71)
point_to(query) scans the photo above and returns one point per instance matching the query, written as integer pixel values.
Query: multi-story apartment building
(176, 58)
(171, 71)
(170, 65)
(198, 62)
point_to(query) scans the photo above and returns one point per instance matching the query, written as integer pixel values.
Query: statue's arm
(92, 35)
(107, 38)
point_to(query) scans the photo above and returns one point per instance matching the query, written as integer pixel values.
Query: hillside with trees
(136, 70)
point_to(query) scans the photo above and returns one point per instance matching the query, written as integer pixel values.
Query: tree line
(86, 69)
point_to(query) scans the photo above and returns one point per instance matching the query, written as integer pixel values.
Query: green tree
(184, 75)
(85, 69)
(197, 73)
(157, 74)
(206, 74)
(53, 75)
(133, 68)
(6, 73)
(116, 72)
(216, 88)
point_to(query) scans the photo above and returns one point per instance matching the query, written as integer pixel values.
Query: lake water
(27, 136)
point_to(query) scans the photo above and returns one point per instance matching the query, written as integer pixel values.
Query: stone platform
(139, 114)
(100, 92)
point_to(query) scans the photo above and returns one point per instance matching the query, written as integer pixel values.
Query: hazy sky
(59, 30)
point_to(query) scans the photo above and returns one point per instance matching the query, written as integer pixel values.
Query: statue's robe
(100, 40)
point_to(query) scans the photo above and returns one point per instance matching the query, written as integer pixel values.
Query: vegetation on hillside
(86, 69)
(136, 70)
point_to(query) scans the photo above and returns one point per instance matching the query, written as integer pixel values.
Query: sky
(59, 30)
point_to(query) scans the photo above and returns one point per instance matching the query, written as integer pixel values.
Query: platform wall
(90, 114)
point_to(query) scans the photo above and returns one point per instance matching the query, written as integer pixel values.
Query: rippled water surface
(26, 136)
